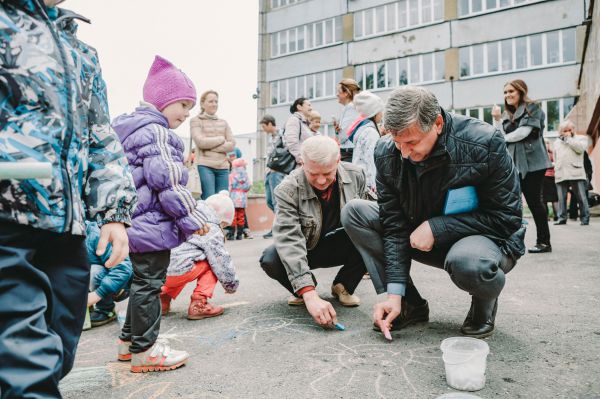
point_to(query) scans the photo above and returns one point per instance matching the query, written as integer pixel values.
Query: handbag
(193, 183)
(280, 159)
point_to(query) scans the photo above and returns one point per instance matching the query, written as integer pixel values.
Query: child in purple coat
(166, 213)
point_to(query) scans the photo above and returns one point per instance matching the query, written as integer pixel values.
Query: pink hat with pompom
(239, 162)
(167, 84)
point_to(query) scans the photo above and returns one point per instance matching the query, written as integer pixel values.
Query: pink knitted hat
(166, 84)
(239, 162)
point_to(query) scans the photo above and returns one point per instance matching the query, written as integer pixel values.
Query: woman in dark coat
(523, 125)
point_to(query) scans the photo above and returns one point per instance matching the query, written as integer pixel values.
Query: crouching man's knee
(477, 272)
(269, 261)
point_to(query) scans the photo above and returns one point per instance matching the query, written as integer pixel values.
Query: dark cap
(268, 119)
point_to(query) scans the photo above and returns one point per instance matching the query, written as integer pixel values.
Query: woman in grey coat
(523, 126)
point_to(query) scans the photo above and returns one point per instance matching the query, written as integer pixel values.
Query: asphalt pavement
(546, 344)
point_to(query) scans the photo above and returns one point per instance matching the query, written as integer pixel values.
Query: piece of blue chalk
(339, 326)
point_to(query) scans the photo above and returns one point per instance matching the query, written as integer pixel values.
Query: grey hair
(320, 149)
(410, 104)
(565, 124)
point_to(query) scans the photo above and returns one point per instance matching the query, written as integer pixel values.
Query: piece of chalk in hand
(339, 326)
(385, 331)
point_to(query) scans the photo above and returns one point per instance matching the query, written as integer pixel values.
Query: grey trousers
(475, 263)
(580, 192)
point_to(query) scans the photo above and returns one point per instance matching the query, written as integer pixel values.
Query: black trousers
(44, 279)
(532, 187)
(331, 251)
(142, 323)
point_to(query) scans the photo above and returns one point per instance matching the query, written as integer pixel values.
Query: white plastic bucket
(465, 362)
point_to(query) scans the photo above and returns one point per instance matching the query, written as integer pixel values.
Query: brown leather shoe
(165, 304)
(200, 309)
(346, 299)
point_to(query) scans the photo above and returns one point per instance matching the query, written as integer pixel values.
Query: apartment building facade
(462, 50)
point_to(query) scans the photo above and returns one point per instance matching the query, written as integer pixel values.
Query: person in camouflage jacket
(53, 109)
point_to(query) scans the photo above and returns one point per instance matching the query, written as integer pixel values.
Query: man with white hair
(308, 233)
(449, 197)
(569, 150)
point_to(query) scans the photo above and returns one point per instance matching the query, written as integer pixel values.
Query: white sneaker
(160, 357)
(123, 353)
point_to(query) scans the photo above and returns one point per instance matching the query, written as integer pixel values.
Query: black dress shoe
(409, 314)
(479, 322)
(540, 248)
(560, 222)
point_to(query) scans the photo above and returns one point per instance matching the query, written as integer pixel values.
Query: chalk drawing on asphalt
(380, 368)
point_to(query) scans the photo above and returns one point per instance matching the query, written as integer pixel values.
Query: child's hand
(115, 234)
(93, 298)
(203, 230)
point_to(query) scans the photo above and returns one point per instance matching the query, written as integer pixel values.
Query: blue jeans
(213, 180)
(579, 188)
(97, 273)
(272, 180)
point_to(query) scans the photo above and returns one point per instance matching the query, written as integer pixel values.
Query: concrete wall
(303, 13)
(422, 40)
(488, 90)
(590, 90)
(517, 21)
(322, 59)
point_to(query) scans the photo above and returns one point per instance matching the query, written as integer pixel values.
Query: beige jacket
(299, 220)
(568, 158)
(296, 133)
(213, 140)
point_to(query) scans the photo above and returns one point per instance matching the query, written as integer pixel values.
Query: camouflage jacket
(53, 108)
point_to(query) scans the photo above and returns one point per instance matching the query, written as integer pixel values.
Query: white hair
(566, 124)
(410, 104)
(320, 149)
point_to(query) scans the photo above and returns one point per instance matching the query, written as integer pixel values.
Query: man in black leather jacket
(475, 233)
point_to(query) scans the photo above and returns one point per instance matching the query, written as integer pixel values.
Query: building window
(568, 44)
(397, 16)
(274, 45)
(556, 111)
(544, 49)
(507, 55)
(552, 47)
(282, 3)
(535, 50)
(416, 69)
(274, 93)
(492, 57)
(473, 7)
(402, 71)
(312, 86)
(464, 55)
(439, 65)
(306, 37)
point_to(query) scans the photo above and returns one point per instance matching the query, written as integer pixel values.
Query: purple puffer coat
(166, 213)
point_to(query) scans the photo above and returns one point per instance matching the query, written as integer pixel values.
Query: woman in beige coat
(569, 171)
(213, 139)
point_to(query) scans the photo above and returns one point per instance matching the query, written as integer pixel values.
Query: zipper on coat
(64, 154)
